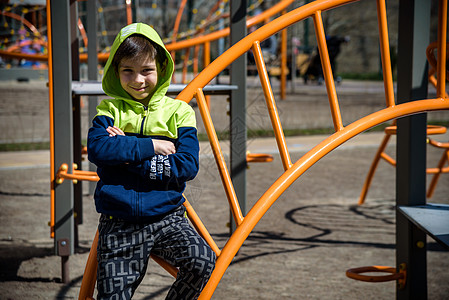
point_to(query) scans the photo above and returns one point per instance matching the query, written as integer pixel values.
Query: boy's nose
(139, 78)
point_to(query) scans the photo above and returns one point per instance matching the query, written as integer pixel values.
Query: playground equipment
(409, 166)
(407, 276)
(24, 38)
(431, 130)
(381, 154)
(194, 39)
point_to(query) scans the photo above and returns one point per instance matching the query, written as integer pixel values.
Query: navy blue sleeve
(105, 150)
(180, 167)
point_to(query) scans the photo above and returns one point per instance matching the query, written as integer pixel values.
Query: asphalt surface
(299, 250)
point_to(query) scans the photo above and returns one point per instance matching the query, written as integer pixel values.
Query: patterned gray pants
(124, 249)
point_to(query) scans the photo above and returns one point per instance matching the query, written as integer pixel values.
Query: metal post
(62, 114)
(238, 107)
(414, 21)
(76, 109)
(92, 63)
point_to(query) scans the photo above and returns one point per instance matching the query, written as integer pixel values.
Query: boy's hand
(113, 131)
(163, 147)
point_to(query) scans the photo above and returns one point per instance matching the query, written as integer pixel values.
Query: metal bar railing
(271, 105)
(385, 53)
(327, 71)
(442, 36)
(219, 158)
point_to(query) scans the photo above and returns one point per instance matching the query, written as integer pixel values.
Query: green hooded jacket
(134, 181)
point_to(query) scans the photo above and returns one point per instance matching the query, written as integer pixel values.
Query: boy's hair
(136, 47)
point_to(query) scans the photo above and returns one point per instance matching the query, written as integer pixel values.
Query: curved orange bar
(18, 55)
(90, 273)
(431, 129)
(21, 19)
(16, 48)
(355, 273)
(438, 144)
(83, 32)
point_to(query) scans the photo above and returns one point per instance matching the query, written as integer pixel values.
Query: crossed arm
(108, 146)
(161, 147)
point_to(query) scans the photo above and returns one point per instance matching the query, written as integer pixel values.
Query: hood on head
(111, 83)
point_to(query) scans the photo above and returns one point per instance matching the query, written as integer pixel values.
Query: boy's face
(138, 77)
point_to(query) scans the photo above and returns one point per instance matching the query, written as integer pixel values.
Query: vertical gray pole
(92, 62)
(63, 141)
(76, 109)
(414, 21)
(238, 107)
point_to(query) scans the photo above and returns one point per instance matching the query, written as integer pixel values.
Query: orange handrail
(75, 176)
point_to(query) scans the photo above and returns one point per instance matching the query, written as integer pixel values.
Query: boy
(145, 147)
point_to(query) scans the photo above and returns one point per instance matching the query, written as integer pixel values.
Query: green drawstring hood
(111, 82)
(163, 115)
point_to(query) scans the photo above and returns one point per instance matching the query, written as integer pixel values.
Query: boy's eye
(126, 70)
(148, 70)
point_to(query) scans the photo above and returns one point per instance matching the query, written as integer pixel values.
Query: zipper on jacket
(143, 120)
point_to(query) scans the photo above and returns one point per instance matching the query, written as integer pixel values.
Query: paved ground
(300, 249)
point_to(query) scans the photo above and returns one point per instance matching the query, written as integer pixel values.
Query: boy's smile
(138, 77)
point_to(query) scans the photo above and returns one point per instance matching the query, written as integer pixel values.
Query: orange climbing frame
(381, 154)
(196, 42)
(245, 224)
(431, 130)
